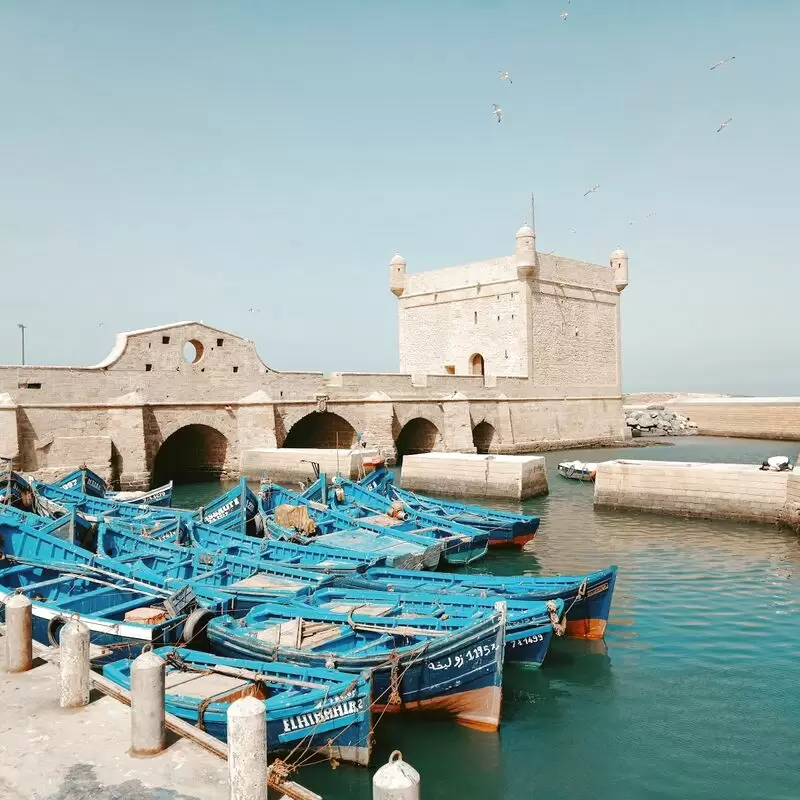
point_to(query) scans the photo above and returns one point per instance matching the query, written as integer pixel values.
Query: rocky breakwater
(659, 421)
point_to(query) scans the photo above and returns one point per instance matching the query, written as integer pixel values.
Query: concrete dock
(290, 465)
(50, 753)
(471, 475)
(725, 491)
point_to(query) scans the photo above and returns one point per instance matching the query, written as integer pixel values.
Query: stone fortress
(515, 354)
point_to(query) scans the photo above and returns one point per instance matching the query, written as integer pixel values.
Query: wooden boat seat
(203, 685)
(263, 580)
(300, 634)
(367, 609)
(383, 520)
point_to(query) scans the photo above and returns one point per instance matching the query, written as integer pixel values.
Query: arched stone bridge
(187, 400)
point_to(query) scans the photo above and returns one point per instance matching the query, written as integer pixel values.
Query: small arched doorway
(192, 454)
(323, 430)
(418, 435)
(476, 365)
(483, 436)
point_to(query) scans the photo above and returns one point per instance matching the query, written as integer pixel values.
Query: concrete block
(472, 475)
(291, 465)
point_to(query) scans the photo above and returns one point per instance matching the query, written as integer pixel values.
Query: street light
(22, 331)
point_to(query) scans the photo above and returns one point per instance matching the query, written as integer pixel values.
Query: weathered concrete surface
(472, 475)
(47, 753)
(727, 491)
(291, 465)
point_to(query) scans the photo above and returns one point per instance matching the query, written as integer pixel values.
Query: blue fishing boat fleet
(325, 604)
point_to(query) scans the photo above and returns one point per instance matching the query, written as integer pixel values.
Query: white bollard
(396, 780)
(74, 641)
(247, 749)
(19, 644)
(148, 731)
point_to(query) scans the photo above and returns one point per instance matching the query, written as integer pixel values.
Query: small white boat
(578, 470)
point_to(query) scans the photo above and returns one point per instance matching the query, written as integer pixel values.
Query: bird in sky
(564, 16)
(725, 124)
(592, 190)
(572, 230)
(505, 76)
(497, 111)
(631, 222)
(254, 310)
(722, 62)
(100, 324)
(650, 215)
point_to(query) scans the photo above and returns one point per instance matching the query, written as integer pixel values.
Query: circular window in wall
(193, 351)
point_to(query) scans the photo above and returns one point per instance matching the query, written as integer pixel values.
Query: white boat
(578, 470)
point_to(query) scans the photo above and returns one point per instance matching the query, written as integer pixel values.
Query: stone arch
(322, 429)
(418, 435)
(483, 436)
(477, 366)
(191, 454)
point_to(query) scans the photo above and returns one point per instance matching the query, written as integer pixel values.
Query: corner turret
(619, 263)
(397, 275)
(525, 253)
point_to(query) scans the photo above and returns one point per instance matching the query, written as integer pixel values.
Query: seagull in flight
(725, 124)
(497, 111)
(722, 62)
(650, 215)
(254, 310)
(504, 75)
(572, 230)
(592, 190)
(564, 15)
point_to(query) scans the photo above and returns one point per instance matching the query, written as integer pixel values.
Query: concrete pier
(725, 491)
(74, 641)
(470, 475)
(291, 465)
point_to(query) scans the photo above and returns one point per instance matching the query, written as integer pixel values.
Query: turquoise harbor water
(695, 692)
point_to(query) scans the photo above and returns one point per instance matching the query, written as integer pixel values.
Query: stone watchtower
(551, 319)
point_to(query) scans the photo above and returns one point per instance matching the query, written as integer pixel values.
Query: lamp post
(22, 331)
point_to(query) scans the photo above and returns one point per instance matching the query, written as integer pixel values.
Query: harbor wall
(746, 417)
(147, 411)
(725, 491)
(510, 477)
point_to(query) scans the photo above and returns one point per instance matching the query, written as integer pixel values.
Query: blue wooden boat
(305, 556)
(326, 527)
(505, 528)
(530, 624)
(587, 598)
(308, 709)
(453, 666)
(86, 481)
(167, 568)
(121, 616)
(461, 545)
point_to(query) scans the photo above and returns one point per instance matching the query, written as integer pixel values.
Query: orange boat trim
(475, 708)
(517, 541)
(586, 628)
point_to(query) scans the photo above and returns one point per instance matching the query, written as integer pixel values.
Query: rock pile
(658, 421)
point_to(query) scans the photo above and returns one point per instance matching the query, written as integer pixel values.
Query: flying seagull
(572, 230)
(593, 189)
(254, 310)
(497, 111)
(650, 214)
(722, 62)
(504, 76)
(564, 16)
(725, 124)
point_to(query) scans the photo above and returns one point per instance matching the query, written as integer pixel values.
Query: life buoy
(54, 630)
(194, 629)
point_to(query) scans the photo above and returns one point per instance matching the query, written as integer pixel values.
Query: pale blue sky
(189, 160)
